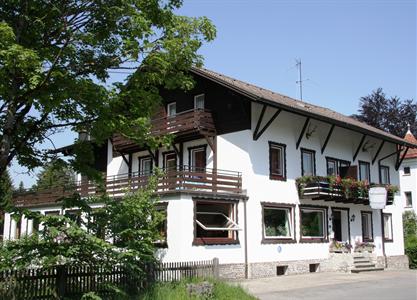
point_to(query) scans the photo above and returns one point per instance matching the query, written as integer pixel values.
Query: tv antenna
(300, 78)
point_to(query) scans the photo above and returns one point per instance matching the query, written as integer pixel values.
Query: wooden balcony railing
(196, 121)
(321, 188)
(186, 179)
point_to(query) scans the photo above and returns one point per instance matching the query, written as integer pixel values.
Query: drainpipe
(246, 239)
(382, 237)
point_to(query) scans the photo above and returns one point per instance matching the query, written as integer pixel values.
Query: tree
(388, 113)
(55, 174)
(21, 187)
(6, 191)
(55, 58)
(132, 223)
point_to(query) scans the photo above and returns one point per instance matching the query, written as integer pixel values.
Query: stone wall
(336, 262)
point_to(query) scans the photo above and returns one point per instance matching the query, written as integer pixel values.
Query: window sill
(214, 241)
(313, 240)
(278, 241)
(388, 240)
(367, 240)
(277, 177)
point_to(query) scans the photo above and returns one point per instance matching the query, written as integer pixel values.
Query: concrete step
(364, 265)
(361, 260)
(355, 270)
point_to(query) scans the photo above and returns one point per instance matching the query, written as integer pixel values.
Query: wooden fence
(60, 282)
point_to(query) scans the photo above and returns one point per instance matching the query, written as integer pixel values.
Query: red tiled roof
(412, 152)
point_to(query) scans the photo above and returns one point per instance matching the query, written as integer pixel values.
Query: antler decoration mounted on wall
(310, 130)
(368, 146)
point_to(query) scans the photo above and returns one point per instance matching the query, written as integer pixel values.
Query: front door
(337, 225)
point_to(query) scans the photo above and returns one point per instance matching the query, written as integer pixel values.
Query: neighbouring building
(268, 184)
(408, 175)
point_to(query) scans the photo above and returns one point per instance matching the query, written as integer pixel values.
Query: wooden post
(61, 280)
(216, 267)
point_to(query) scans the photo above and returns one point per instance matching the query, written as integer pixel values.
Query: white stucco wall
(409, 182)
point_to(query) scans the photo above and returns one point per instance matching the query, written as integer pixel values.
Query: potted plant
(364, 247)
(340, 247)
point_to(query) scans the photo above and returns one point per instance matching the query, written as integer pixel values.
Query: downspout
(382, 238)
(246, 239)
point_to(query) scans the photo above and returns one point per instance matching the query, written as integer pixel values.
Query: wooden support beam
(327, 139)
(401, 160)
(302, 132)
(258, 124)
(126, 160)
(210, 142)
(257, 135)
(359, 147)
(152, 155)
(181, 158)
(129, 165)
(378, 151)
(176, 150)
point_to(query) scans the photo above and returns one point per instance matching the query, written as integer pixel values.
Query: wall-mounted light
(352, 218)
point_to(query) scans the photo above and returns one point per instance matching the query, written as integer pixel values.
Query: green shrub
(410, 237)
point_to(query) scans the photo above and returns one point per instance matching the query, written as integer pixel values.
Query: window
(337, 167)
(277, 168)
(52, 213)
(308, 162)
(215, 223)
(277, 223)
(199, 101)
(384, 175)
(145, 166)
(197, 158)
(408, 199)
(313, 223)
(388, 227)
(407, 171)
(367, 230)
(364, 171)
(171, 109)
(35, 225)
(74, 215)
(162, 228)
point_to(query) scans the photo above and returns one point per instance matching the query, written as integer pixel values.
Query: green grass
(178, 291)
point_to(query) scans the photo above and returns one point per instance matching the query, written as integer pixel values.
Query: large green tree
(55, 61)
(54, 174)
(388, 113)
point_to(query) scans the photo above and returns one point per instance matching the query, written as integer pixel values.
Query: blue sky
(347, 48)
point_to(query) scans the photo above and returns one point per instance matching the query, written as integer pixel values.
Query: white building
(230, 187)
(408, 175)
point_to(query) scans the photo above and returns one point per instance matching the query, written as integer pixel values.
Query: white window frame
(368, 171)
(409, 171)
(143, 160)
(386, 170)
(289, 211)
(406, 198)
(169, 105)
(312, 154)
(369, 222)
(388, 224)
(281, 149)
(198, 97)
(324, 223)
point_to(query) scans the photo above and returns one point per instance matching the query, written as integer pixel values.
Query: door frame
(347, 209)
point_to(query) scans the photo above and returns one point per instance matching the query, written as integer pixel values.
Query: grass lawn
(178, 291)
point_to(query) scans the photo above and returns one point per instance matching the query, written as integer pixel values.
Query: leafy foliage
(388, 113)
(56, 173)
(6, 191)
(410, 237)
(55, 59)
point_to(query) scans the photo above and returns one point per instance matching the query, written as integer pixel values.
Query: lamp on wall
(352, 218)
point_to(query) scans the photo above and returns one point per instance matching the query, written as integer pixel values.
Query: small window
(199, 101)
(277, 168)
(407, 171)
(215, 223)
(337, 167)
(331, 167)
(277, 223)
(171, 109)
(74, 215)
(308, 162)
(388, 228)
(145, 166)
(384, 175)
(198, 156)
(313, 223)
(364, 171)
(367, 230)
(52, 213)
(408, 199)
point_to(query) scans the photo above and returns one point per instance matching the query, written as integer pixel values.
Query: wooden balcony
(196, 122)
(321, 189)
(182, 179)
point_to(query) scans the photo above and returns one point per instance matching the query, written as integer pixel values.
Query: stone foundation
(336, 262)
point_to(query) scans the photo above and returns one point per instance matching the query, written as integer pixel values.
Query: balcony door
(198, 159)
(170, 167)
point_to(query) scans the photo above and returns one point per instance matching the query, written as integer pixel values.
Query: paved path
(384, 285)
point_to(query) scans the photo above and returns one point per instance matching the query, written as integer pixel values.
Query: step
(364, 265)
(361, 260)
(366, 270)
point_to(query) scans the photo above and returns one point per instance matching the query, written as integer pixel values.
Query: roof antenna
(300, 80)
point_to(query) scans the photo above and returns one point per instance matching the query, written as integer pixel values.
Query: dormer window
(199, 101)
(171, 109)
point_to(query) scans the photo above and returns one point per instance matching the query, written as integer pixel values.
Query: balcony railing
(196, 121)
(338, 190)
(180, 179)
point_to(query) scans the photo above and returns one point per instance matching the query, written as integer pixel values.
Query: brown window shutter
(349, 172)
